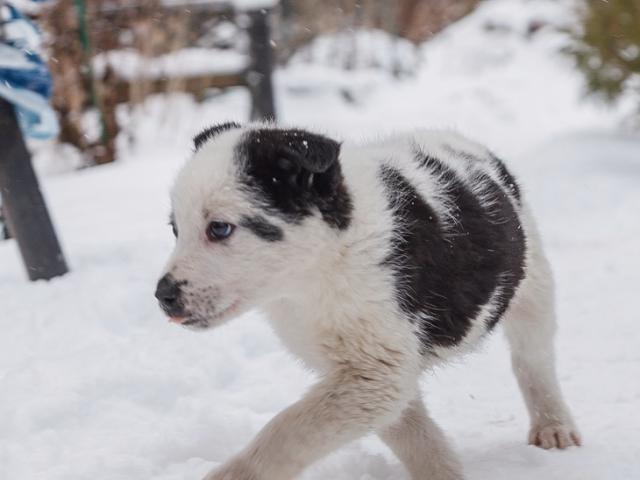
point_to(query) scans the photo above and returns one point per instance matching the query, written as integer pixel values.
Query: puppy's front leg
(344, 406)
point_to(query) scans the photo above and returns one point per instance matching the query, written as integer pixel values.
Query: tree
(606, 46)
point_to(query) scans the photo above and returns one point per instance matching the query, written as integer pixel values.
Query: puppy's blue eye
(219, 231)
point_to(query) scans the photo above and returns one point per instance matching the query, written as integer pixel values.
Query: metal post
(261, 69)
(23, 203)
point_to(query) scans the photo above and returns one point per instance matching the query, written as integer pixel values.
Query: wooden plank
(195, 84)
(212, 7)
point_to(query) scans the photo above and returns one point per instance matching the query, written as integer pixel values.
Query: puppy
(373, 263)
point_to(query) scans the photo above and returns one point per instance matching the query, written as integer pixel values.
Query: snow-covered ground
(94, 383)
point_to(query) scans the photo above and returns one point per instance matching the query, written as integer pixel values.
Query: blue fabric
(25, 80)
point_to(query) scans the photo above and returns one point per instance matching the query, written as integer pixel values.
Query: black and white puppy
(374, 263)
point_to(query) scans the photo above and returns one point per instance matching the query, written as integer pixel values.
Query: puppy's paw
(554, 435)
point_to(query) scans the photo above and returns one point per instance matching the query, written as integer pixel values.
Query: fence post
(261, 68)
(23, 204)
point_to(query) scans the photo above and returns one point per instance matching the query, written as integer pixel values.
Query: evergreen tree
(606, 46)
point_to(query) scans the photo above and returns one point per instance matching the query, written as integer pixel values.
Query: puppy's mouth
(199, 323)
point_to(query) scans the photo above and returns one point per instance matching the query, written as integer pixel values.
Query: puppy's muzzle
(169, 294)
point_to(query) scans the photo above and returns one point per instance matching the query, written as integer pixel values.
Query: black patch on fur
(427, 161)
(209, 133)
(506, 178)
(262, 228)
(172, 224)
(446, 273)
(295, 173)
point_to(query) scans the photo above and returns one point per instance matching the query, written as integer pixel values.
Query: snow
(95, 383)
(188, 62)
(360, 49)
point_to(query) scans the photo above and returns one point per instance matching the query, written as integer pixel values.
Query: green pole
(83, 34)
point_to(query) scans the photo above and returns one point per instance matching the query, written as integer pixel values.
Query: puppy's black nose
(168, 294)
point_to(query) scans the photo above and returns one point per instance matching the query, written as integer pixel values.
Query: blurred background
(382, 65)
(103, 98)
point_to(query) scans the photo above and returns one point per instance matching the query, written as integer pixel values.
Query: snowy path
(94, 383)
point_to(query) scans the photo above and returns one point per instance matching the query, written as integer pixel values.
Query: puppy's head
(252, 211)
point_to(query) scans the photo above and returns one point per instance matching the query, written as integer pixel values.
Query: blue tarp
(25, 80)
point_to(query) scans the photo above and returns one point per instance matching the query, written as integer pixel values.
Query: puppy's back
(456, 246)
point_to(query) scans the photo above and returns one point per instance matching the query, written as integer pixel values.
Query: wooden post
(261, 68)
(23, 204)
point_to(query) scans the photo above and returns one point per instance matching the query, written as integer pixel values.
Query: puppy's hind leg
(530, 327)
(421, 446)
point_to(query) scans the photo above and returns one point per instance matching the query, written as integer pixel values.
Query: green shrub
(606, 46)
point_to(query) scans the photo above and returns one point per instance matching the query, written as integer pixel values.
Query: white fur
(333, 306)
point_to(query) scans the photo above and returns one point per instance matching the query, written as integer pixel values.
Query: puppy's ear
(211, 132)
(309, 151)
(292, 157)
(295, 170)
